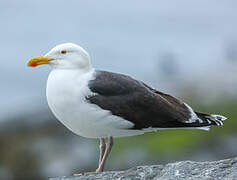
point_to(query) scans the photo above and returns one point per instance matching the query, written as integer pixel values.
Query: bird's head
(64, 56)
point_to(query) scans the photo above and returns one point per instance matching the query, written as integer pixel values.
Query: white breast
(66, 92)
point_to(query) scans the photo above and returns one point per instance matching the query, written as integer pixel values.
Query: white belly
(66, 92)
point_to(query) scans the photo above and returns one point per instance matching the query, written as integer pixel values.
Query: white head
(64, 56)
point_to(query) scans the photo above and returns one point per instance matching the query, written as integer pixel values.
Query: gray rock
(185, 170)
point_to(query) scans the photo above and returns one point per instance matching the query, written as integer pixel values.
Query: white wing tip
(218, 117)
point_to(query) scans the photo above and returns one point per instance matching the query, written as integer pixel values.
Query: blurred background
(186, 48)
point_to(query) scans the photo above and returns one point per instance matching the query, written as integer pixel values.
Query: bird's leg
(109, 146)
(102, 152)
(102, 149)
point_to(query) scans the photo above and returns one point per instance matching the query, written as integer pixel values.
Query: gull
(101, 104)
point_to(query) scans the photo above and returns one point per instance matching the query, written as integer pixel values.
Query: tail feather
(211, 119)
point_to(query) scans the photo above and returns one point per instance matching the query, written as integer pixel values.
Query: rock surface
(221, 170)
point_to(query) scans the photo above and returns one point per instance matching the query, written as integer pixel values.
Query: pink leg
(102, 149)
(108, 149)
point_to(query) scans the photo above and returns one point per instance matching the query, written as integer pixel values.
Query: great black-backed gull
(100, 104)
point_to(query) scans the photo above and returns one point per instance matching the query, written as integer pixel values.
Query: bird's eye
(63, 52)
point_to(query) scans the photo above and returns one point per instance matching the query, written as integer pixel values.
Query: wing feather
(137, 102)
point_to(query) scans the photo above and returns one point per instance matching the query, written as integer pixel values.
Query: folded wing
(140, 104)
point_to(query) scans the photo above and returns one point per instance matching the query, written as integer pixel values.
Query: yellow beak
(36, 61)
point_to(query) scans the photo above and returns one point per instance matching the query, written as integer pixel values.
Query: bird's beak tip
(36, 61)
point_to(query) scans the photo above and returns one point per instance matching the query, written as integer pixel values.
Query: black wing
(137, 102)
